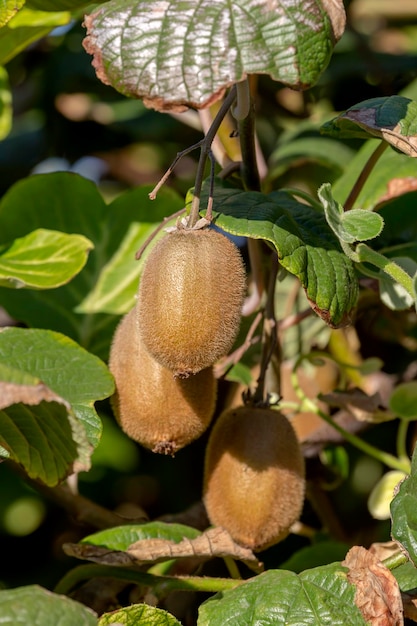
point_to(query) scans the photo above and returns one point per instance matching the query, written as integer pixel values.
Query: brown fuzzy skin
(159, 411)
(254, 481)
(190, 299)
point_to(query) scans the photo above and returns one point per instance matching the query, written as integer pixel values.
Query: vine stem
(368, 255)
(161, 585)
(363, 176)
(384, 457)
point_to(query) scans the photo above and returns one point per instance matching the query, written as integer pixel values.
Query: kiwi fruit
(190, 299)
(254, 482)
(159, 411)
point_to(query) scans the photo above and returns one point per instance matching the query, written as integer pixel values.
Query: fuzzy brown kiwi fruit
(190, 299)
(254, 481)
(159, 411)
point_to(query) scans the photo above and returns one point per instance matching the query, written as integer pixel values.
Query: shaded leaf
(160, 53)
(39, 607)
(26, 27)
(44, 259)
(393, 119)
(377, 592)
(315, 597)
(68, 370)
(305, 244)
(139, 614)
(354, 225)
(58, 5)
(215, 542)
(45, 438)
(404, 513)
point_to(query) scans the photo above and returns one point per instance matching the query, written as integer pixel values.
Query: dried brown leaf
(215, 542)
(12, 393)
(378, 595)
(398, 187)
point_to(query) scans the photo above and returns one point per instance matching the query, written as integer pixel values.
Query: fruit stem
(363, 176)
(161, 585)
(249, 168)
(205, 147)
(154, 233)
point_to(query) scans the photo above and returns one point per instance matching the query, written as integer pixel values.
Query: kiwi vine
(227, 340)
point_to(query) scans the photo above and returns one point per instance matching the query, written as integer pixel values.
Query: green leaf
(393, 119)
(313, 598)
(45, 439)
(354, 225)
(68, 370)
(404, 513)
(305, 244)
(26, 27)
(139, 614)
(318, 554)
(403, 400)
(5, 104)
(8, 9)
(117, 284)
(35, 606)
(406, 577)
(121, 537)
(44, 259)
(71, 204)
(161, 56)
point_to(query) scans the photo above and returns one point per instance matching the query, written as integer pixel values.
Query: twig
(222, 366)
(363, 176)
(152, 195)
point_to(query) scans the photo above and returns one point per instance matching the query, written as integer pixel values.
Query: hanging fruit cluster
(186, 317)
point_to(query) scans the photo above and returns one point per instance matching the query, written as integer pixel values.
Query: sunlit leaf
(306, 245)
(26, 27)
(5, 104)
(350, 226)
(403, 400)
(8, 9)
(43, 259)
(315, 597)
(382, 494)
(178, 54)
(139, 614)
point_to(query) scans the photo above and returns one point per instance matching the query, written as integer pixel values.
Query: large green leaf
(26, 27)
(306, 245)
(393, 119)
(71, 204)
(72, 373)
(122, 537)
(34, 606)
(44, 259)
(186, 53)
(316, 597)
(404, 512)
(137, 614)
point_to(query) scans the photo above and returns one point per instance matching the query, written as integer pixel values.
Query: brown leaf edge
(158, 103)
